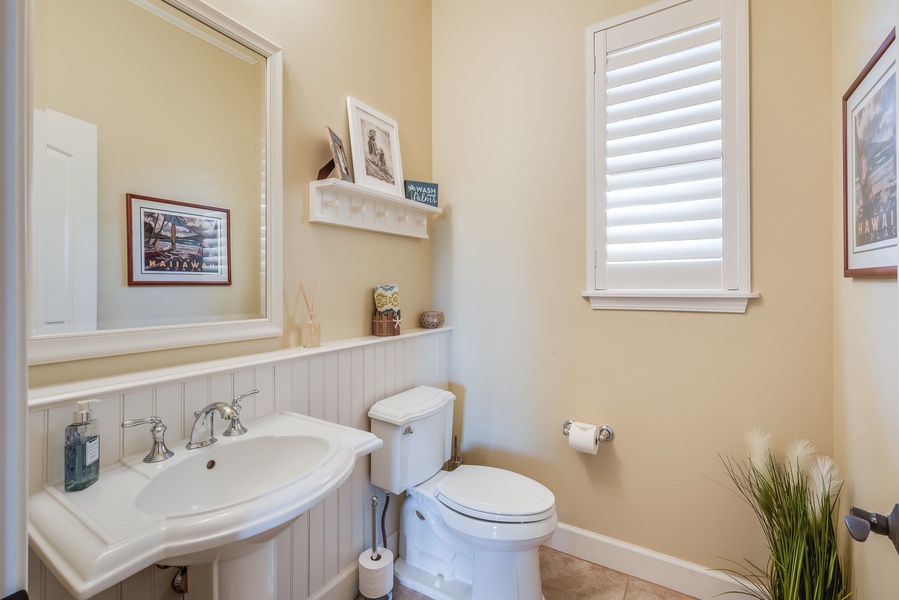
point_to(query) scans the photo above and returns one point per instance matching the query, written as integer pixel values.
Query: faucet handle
(236, 402)
(235, 427)
(159, 452)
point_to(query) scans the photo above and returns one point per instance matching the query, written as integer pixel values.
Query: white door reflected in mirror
(64, 224)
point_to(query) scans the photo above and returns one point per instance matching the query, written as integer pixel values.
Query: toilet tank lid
(411, 405)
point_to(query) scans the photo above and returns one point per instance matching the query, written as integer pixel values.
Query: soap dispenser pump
(82, 449)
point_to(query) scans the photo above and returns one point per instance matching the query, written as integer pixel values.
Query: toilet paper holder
(603, 434)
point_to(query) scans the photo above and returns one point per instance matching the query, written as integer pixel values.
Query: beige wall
(866, 411)
(679, 389)
(815, 357)
(380, 53)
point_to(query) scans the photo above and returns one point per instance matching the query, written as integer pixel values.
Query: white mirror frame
(74, 346)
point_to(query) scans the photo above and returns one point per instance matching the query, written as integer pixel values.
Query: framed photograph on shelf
(176, 243)
(869, 168)
(338, 155)
(375, 141)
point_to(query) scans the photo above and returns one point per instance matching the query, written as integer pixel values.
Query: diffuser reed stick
(309, 307)
(313, 328)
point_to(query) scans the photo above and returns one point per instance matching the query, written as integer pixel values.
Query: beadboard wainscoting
(317, 555)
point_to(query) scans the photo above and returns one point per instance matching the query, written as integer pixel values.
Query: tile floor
(568, 578)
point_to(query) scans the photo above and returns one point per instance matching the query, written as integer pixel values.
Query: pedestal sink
(200, 506)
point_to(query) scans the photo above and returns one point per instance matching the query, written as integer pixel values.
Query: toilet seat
(492, 494)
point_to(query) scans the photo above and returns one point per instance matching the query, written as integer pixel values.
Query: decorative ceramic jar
(431, 319)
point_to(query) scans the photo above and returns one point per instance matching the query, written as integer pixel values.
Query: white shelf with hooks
(338, 202)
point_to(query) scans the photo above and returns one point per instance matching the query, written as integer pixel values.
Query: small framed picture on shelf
(869, 167)
(375, 141)
(338, 154)
(176, 243)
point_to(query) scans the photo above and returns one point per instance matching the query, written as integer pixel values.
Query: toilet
(473, 533)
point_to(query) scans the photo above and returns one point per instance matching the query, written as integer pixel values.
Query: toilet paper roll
(582, 438)
(375, 576)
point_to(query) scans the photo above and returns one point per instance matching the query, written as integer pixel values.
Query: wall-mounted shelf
(346, 204)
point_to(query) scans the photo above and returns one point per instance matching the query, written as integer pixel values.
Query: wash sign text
(423, 192)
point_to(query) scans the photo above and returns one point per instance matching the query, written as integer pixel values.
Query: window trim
(735, 55)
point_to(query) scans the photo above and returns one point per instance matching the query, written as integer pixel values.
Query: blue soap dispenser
(82, 451)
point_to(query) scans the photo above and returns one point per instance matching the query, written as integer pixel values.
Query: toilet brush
(376, 564)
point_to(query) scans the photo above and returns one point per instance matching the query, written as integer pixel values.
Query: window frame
(734, 16)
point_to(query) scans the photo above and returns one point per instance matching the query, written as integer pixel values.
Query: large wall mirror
(175, 104)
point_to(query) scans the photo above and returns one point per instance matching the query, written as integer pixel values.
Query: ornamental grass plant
(794, 501)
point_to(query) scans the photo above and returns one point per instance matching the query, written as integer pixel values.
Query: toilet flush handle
(408, 430)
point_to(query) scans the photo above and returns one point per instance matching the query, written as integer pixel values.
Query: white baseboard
(667, 571)
(345, 585)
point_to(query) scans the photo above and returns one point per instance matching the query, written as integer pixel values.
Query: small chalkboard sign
(423, 192)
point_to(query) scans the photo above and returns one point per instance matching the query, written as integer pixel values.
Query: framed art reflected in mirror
(177, 243)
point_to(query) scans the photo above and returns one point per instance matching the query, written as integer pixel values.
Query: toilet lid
(495, 495)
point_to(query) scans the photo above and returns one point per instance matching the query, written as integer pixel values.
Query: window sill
(665, 300)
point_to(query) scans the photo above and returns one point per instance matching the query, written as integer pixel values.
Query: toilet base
(430, 585)
(447, 569)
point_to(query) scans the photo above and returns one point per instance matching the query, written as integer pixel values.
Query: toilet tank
(417, 429)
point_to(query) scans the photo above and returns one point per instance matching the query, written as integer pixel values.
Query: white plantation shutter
(670, 203)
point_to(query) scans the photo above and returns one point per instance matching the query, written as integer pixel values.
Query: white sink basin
(194, 505)
(227, 474)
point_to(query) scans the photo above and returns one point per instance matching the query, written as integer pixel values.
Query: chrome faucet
(203, 424)
(158, 452)
(235, 427)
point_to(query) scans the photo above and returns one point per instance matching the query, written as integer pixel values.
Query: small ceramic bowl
(431, 319)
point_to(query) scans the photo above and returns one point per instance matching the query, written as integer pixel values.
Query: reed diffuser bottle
(312, 332)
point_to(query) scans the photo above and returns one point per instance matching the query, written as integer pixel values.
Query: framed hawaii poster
(177, 243)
